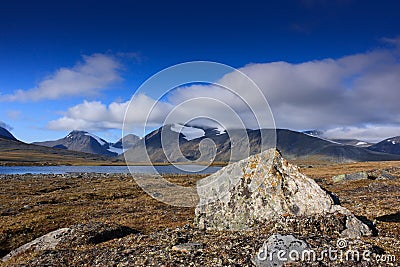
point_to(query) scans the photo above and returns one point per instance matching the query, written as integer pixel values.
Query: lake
(168, 169)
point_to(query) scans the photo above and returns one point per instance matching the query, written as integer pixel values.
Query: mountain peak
(4, 133)
(82, 141)
(390, 145)
(315, 133)
(189, 132)
(292, 144)
(127, 141)
(75, 132)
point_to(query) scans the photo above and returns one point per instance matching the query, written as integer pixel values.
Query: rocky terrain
(107, 220)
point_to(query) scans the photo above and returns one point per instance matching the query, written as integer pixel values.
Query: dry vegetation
(18, 153)
(35, 205)
(31, 205)
(376, 200)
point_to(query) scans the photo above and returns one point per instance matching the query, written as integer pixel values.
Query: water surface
(169, 169)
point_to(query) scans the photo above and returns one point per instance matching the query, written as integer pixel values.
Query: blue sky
(83, 56)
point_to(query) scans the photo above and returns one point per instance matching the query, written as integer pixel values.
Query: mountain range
(204, 144)
(352, 142)
(390, 145)
(5, 134)
(84, 142)
(15, 152)
(292, 144)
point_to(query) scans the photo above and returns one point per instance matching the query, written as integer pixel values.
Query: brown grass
(329, 170)
(36, 205)
(61, 202)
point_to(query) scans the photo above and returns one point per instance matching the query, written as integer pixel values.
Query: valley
(186, 145)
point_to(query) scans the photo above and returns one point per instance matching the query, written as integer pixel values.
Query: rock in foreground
(45, 242)
(261, 189)
(75, 235)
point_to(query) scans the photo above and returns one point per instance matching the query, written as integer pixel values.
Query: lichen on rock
(261, 189)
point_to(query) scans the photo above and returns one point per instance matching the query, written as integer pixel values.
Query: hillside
(127, 141)
(18, 153)
(352, 142)
(83, 142)
(293, 145)
(4, 133)
(390, 145)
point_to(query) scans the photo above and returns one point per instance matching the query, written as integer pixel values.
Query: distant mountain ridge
(293, 145)
(126, 142)
(81, 141)
(195, 143)
(343, 141)
(390, 145)
(5, 134)
(15, 152)
(353, 142)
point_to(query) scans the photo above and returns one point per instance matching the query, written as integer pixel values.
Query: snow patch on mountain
(98, 139)
(189, 133)
(392, 141)
(312, 134)
(117, 150)
(220, 131)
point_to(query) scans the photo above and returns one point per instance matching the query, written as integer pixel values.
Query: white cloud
(342, 95)
(370, 133)
(94, 115)
(351, 91)
(94, 74)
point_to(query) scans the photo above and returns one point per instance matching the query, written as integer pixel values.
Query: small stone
(384, 175)
(156, 194)
(350, 177)
(188, 247)
(355, 228)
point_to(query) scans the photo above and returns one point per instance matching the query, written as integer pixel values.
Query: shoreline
(110, 164)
